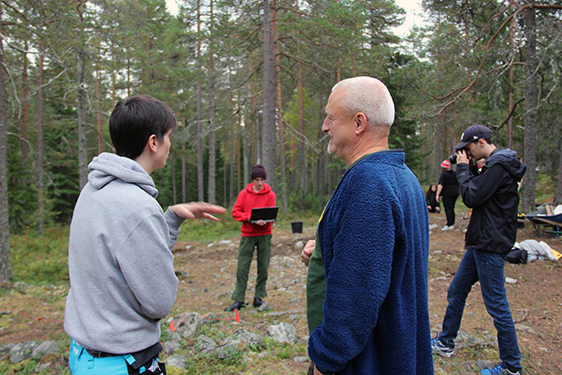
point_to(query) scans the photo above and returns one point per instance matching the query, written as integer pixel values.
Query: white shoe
(447, 227)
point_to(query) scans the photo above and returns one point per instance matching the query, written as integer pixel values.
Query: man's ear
(360, 122)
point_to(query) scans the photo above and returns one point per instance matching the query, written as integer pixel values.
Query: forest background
(249, 80)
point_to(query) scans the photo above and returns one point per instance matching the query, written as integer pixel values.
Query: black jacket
(494, 199)
(448, 180)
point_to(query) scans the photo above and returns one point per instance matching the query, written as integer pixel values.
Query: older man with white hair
(367, 303)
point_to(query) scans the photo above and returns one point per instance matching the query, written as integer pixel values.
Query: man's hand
(307, 252)
(260, 222)
(462, 156)
(197, 210)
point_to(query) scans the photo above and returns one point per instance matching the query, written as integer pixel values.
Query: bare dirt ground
(208, 276)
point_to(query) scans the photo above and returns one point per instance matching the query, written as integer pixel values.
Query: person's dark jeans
(449, 207)
(487, 268)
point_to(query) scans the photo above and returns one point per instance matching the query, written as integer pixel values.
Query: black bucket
(296, 226)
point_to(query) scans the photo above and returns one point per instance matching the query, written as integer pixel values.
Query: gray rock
(45, 348)
(181, 273)
(172, 336)
(265, 307)
(481, 365)
(283, 333)
(187, 325)
(171, 346)
(244, 337)
(178, 361)
(524, 328)
(299, 245)
(22, 351)
(210, 318)
(287, 262)
(5, 349)
(464, 340)
(205, 343)
(237, 343)
(51, 362)
(300, 359)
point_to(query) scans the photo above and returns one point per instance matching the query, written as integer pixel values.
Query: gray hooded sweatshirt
(122, 279)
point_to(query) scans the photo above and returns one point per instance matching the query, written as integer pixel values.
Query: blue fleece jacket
(374, 237)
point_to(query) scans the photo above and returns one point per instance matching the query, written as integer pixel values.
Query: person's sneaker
(258, 302)
(235, 306)
(499, 369)
(438, 348)
(447, 227)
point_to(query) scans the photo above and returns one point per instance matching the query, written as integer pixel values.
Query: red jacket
(248, 199)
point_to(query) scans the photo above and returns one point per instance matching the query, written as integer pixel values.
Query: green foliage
(545, 188)
(22, 193)
(40, 259)
(314, 203)
(27, 367)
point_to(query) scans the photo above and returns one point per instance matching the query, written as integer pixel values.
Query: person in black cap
(491, 233)
(254, 235)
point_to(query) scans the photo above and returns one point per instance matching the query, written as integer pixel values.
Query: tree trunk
(82, 131)
(212, 150)
(511, 86)
(174, 190)
(269, 146)
(5, 265)
(283, 183)
(231, 152)
(200, 188)
(40, 190)
(528, 200)
(558, 195)
(98, 113)
(25, 103)
(302, 145)
(183, 167)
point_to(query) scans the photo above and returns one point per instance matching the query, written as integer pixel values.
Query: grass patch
(37, 259)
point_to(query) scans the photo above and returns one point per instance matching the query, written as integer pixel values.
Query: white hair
(369, 96)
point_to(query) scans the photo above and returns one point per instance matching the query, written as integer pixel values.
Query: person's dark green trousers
(245, 255)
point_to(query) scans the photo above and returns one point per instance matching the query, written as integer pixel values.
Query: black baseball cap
(472, 134)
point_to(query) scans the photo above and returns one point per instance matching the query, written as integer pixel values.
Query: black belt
(97, 354)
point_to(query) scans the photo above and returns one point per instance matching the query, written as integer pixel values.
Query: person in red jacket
(254, 235)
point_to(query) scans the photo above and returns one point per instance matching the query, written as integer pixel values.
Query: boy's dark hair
(135, 119)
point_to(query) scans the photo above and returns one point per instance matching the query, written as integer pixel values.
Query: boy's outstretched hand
(197, 210)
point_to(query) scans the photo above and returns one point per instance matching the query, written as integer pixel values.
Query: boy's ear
(152, 144)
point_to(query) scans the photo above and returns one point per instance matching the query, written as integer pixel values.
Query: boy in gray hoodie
(120, 248)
